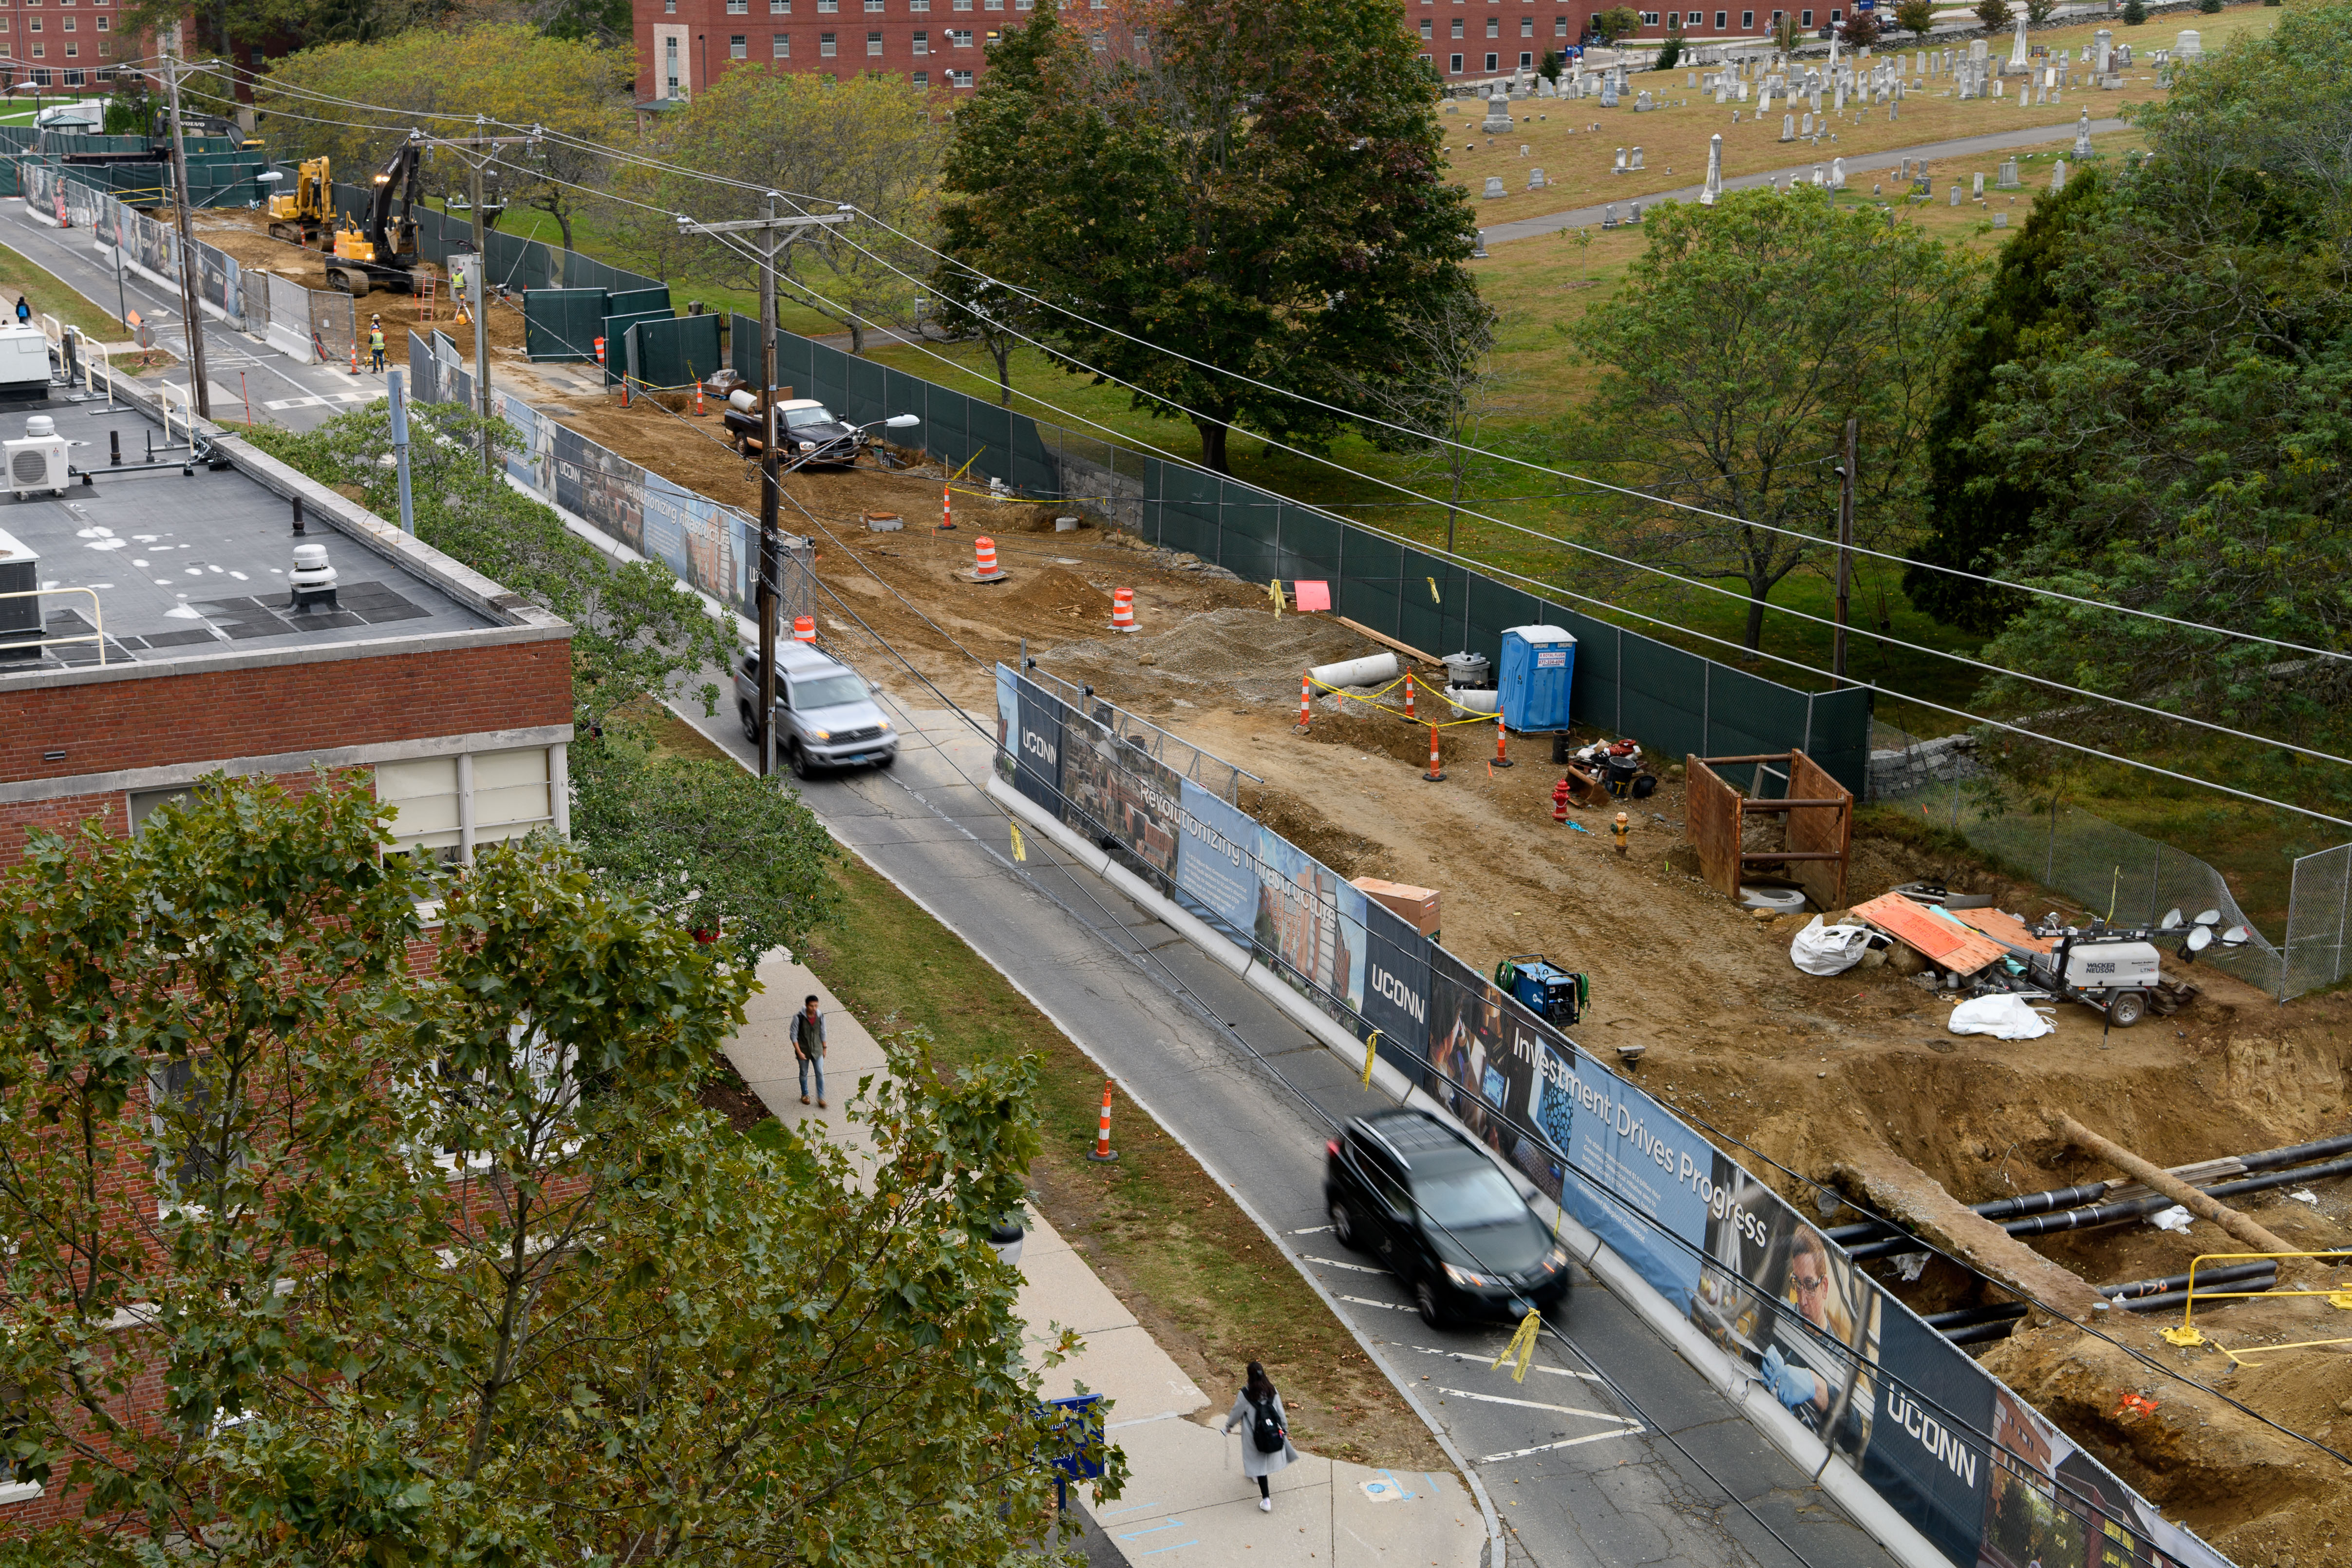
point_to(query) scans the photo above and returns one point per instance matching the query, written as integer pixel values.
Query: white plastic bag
(2004, 1016)
(1829, 950)
(2176, 1219)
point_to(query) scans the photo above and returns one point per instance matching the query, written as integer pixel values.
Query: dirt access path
(1805, 1070)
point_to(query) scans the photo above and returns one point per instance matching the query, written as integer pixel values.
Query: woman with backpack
(1265, 1441)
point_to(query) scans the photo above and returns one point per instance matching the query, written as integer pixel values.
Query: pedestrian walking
(23, 313)
(1265, 1432)
(808, 1048)
(375, 339)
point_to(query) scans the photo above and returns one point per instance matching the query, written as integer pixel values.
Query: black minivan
(1419, 1195)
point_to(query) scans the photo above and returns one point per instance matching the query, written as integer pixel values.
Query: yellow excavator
(303, 216)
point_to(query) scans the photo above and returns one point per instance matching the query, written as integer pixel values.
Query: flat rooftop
(183, 566)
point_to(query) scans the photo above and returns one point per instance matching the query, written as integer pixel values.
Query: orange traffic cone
(355, 358)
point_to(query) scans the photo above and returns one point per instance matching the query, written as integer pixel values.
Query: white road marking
(1312, 1230)
(1489, 1361)
(1573, 1442)
(1335, 1263)
(1531, 1405)
(1384, 1306)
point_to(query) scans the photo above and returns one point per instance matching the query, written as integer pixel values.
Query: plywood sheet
(2005, 928)
(1946, 945)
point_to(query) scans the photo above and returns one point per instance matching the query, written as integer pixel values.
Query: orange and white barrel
(1122, 609)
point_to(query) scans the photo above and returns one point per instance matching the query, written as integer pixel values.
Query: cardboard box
(1416, 906)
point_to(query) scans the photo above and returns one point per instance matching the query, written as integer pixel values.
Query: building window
(736, 48)
(1805, 18)
(101, 24)
(874, 5)
(825, 51)
(1457, 33)
(1720, 16)
(1493, 64)
(669, 7)
(873, 45)
(1747, 21)
(737, 8)
(1560, 26)
(1098, 42)
(36, 24)
(922, 47)
(1649, 18)
(69, 24)
(1494, 27)
(992, 4)
(72, 50)
(1424, 33)
(961, 4)
(779, 7)
(448, 807)
(1527, 26)
(828, 6)
(180, 1105)
(959, 78)
(782, 44)
(40, 51)
(919, 5)
(1453, 66)
(1527, 60)
(960, 40)
(922, 79)
(669, 69)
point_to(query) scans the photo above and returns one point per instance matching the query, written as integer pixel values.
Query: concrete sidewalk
(1186, 1498)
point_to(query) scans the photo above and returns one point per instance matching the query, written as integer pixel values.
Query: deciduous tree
(2181, 414)
(1259, 187)
(1748, 334)
(1917, 17)
(513, 74)
(451, 1266)
(874, 144)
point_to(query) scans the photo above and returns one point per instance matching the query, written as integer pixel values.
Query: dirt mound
(1054, 591)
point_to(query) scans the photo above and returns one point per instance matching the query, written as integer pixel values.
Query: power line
(1543, 587)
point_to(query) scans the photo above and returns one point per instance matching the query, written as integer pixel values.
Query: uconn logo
(1941, 1442)
(1397, 991)
(1037, 746)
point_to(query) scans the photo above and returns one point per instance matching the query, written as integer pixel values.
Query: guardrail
(165, 391)
(97, 615)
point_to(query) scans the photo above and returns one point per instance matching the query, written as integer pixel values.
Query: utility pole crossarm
(747, 225)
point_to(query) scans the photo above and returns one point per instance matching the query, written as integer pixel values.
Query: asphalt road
(1578, 1474)
(281, 390)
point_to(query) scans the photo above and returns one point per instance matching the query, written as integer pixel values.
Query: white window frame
(482, 808)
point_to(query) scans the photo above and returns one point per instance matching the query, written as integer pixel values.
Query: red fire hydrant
(1559, 800)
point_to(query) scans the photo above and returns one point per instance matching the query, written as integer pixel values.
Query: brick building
(684, 45)
(60, 44)
(452, 693)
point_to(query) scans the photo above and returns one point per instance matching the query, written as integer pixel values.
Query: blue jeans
(818, 1063)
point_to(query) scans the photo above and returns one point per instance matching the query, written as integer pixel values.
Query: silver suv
(825, 717)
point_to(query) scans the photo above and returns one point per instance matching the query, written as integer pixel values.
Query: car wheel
(750, 722)
(798, 760)
(886, 760)
(2125, 1008)
(1343, 1226)
(1432, 1312)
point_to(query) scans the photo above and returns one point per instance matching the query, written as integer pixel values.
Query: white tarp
(2005, 1017)
(1829, 950)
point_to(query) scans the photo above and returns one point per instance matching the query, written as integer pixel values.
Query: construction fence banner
(1977, 1470)
(1677, 704)
(709, 546)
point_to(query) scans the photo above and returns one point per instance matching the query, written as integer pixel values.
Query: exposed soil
(245, 236)
(1803, 1069)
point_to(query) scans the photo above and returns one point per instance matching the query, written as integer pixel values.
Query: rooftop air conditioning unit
(38, 461)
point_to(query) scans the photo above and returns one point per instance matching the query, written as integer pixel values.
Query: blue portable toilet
(1538, 662)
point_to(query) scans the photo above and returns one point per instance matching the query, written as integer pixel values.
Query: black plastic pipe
(2133, 1208)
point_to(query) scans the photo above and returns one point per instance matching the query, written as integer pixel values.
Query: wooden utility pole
(1845, 547)
(478, 149)
(775, 234)
(199, 388)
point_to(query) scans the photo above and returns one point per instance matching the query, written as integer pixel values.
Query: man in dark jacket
(808, 1048)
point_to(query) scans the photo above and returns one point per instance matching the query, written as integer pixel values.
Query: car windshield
(1467, 1198)
(827, 690)
(796, 418)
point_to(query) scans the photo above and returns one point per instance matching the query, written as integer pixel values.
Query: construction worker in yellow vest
(457, 292)
(375, 339)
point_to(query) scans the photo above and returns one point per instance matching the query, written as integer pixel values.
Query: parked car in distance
(1425, 1200)
(825, 717)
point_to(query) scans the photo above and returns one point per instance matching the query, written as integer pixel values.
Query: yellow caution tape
(1433, 591)
(1020, 851)
(1522, 1345)
(1371, 1048)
